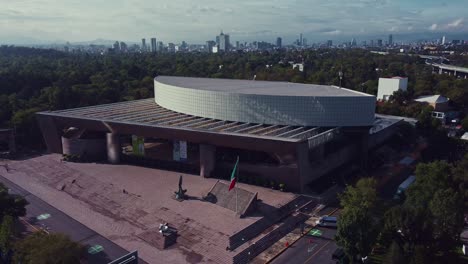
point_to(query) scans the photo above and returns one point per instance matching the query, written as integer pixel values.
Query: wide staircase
(257, 237)
(238, 200)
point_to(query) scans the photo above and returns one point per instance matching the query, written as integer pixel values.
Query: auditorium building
(288, 133)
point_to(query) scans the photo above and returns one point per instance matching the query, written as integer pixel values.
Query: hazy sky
(198, 21)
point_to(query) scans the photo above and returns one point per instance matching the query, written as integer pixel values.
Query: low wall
(286, 174)
(89, 149)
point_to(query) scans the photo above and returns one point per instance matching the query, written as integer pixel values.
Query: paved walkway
(121, 202)
(39, 215)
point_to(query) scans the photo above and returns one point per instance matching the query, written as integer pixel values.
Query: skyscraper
(353, 42)
(278, 42)
(379, 42)
(237, 45)
(390, 40)
(160, 47)
(443, 40)
(300, 40)
(209, 46)
(143, 45)
(329, 43)
(123, 47)
(153, 45)
(171, 47)
(116, 46)
(224, 42)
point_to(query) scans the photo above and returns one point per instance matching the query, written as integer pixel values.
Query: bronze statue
(180, 194)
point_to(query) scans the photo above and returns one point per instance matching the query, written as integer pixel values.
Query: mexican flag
(234, 175)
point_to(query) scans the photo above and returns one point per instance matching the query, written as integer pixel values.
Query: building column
(364, 149)
(207, 160)
(11, 142)
(50, 132)
(113, 148)
(304, 169)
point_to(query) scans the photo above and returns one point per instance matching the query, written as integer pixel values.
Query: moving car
(327, 221)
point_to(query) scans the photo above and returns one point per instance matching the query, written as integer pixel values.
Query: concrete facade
(207, 159)
(114, 148)
(387, 86)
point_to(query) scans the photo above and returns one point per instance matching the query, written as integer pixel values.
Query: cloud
(456, 23)
(433, 27)
(198, 21)
(333, 33)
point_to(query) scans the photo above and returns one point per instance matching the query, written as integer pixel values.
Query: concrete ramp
(220, 195)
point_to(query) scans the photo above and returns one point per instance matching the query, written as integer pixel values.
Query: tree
(394, 255)
(464, 123)
(448, 218)
(358, 226)
(6, 231)
(42, 248)
(430, 220)
(460, 174)
(12, 205)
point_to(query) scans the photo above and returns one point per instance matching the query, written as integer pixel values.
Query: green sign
(43, 217)
(138, 145)
(95, 249)
(315, 232)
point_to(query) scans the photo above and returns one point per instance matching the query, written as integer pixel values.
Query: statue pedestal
(175, 197)
(159, 240)
(165, 240)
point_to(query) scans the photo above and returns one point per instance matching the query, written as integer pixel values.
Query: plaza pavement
(120, 202)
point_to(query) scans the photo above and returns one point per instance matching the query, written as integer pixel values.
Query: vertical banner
(183, 150)
(176, 151)
(138, 145)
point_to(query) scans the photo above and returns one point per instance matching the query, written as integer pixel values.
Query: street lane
(315, 247)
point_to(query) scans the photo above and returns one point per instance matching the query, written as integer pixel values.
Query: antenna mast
(340, 74)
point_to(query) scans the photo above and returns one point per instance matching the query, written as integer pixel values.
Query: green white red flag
(234, 176)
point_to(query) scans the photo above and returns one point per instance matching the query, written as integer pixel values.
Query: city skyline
(178, 20)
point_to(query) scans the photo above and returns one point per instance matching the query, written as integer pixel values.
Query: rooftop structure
(387, 86)
(437, 98)
(438, 102)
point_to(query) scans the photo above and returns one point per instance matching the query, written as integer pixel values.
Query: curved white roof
(258, 87)
(262, 102)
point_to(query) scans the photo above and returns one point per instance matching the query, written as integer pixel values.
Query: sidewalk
(287, 241)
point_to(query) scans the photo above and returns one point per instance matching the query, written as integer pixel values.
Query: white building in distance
(387, 86)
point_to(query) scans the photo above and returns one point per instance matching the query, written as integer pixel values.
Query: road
(317, 248)
(41, 214)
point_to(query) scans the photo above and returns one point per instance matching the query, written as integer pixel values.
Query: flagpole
(236, 200)
(237, 179)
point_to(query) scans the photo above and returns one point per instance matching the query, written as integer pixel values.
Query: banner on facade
(138, 144)
(183, 150)
(176, 151)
